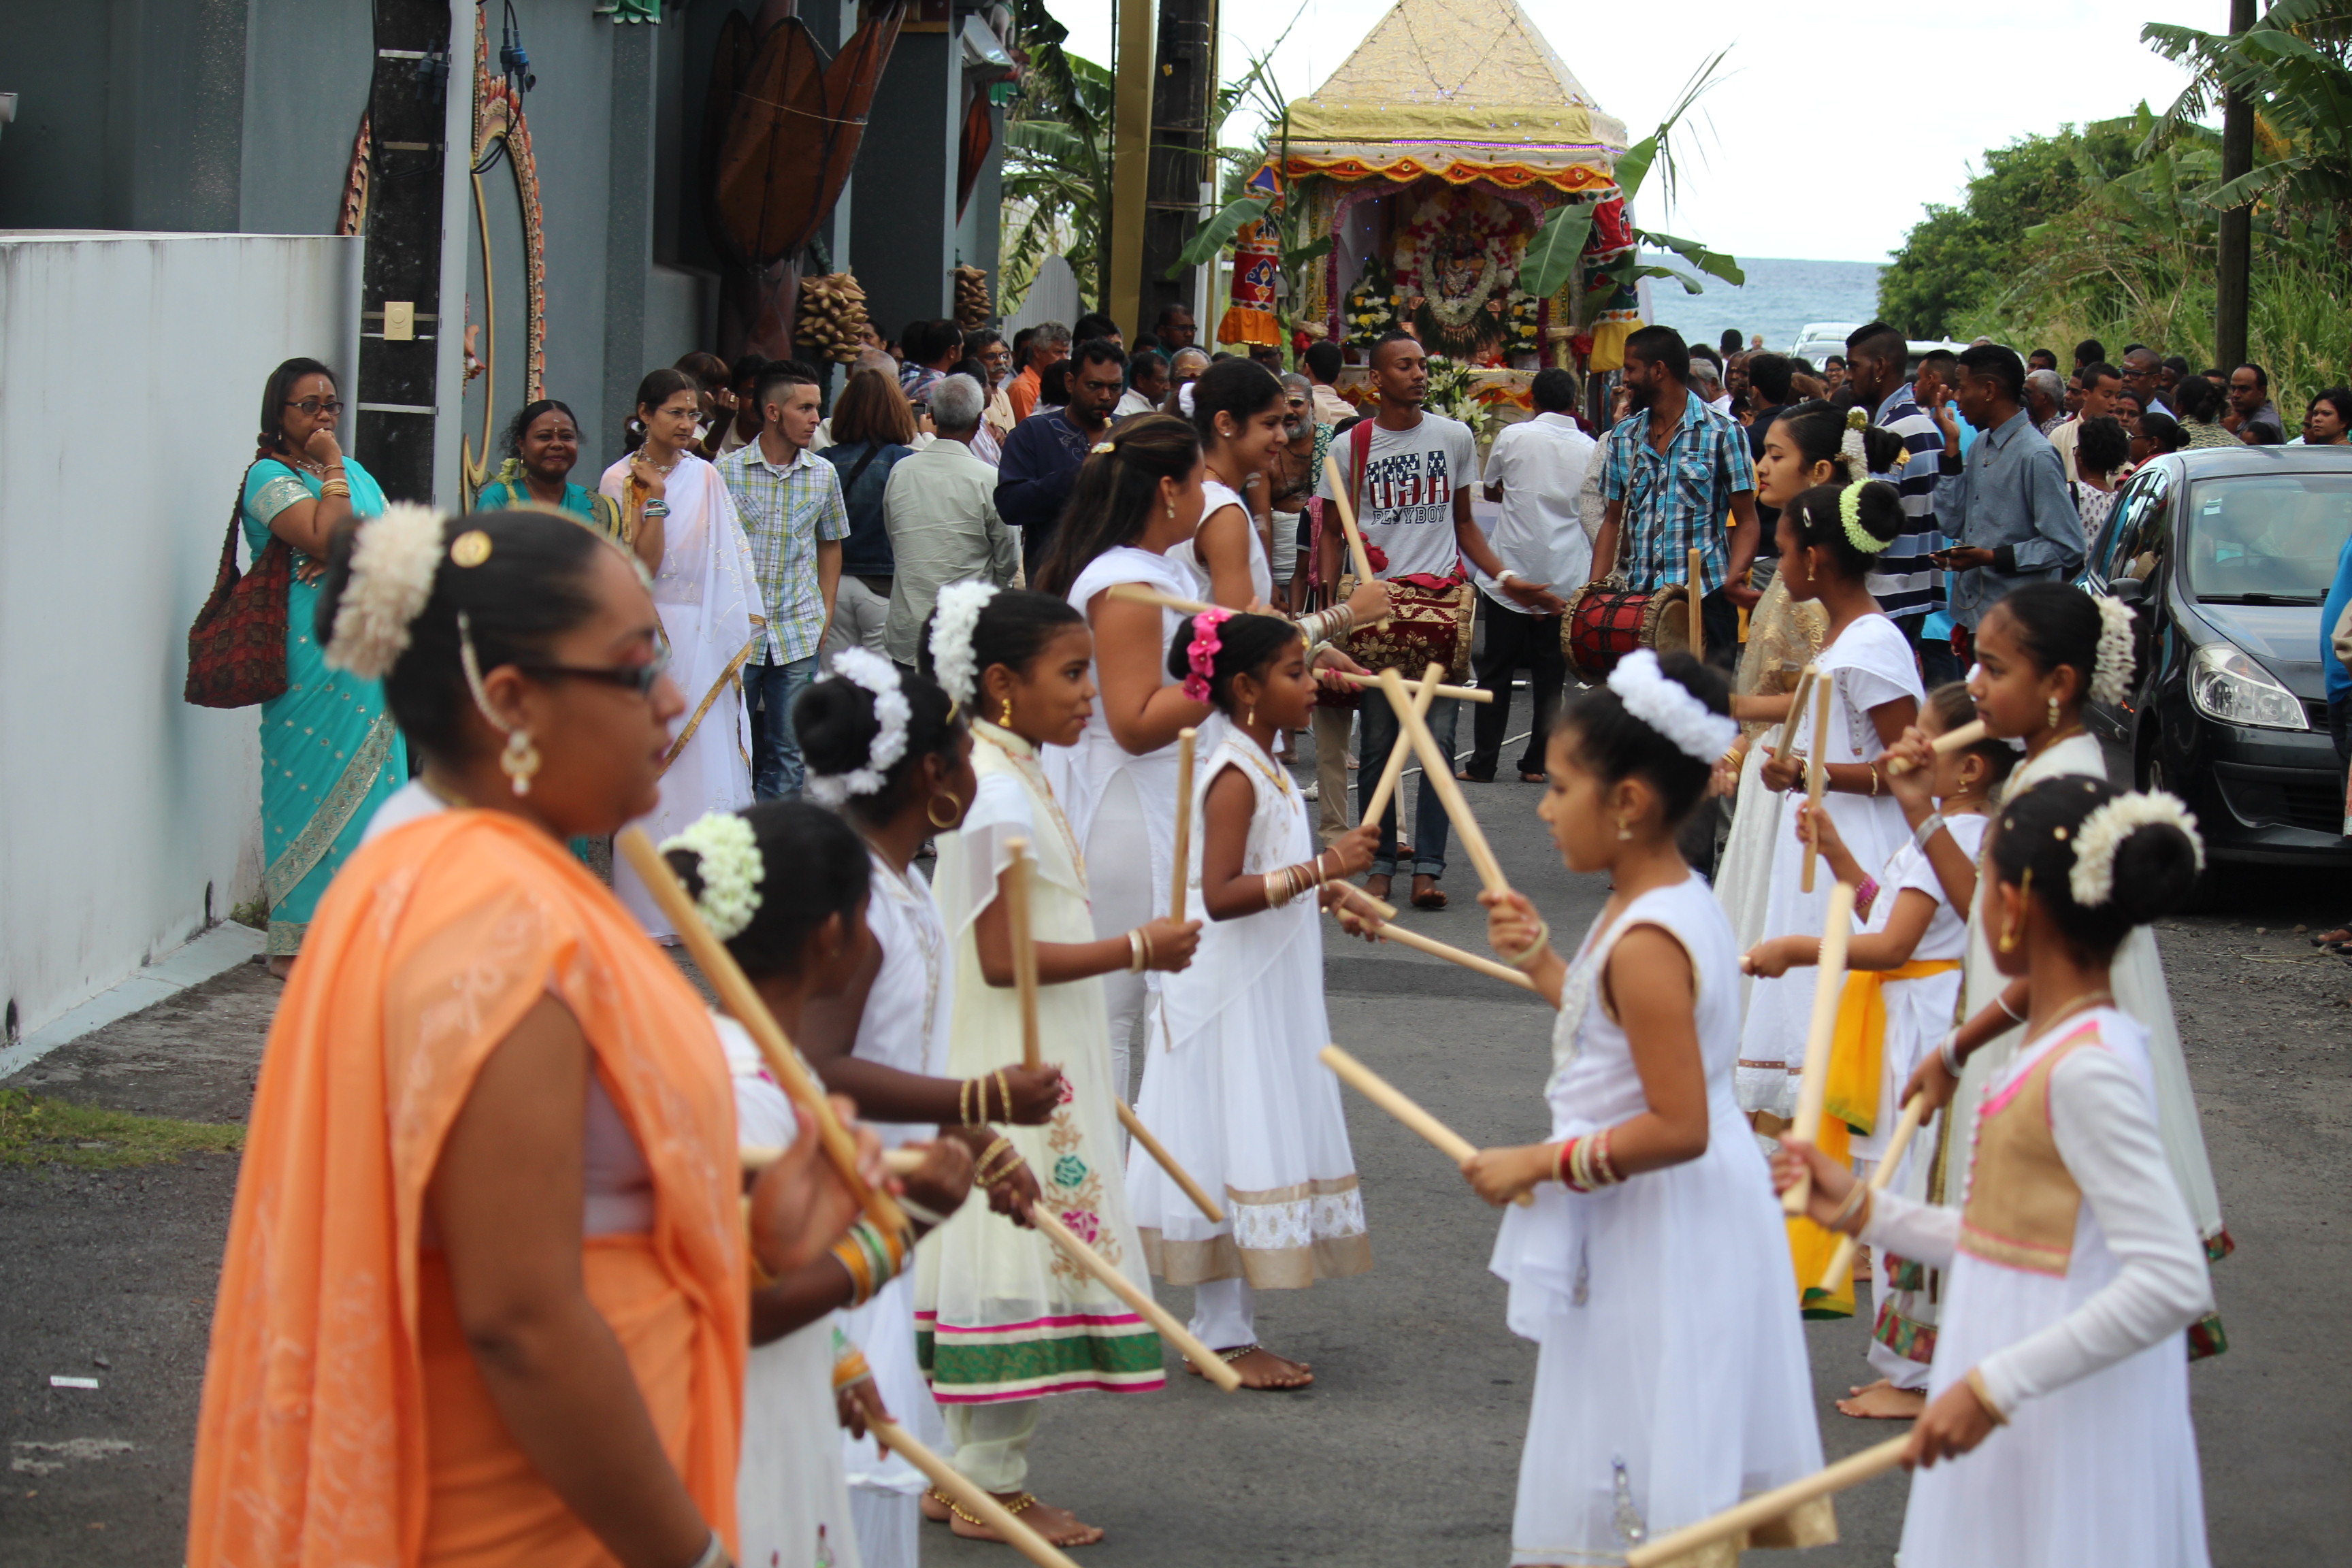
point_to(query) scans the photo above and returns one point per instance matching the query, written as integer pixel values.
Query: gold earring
(955, 810)
(520, 760)
(2013, 931)
(2054, 713)
(1625, 834)
(1251, 720)
(1172, 511)
(1004, 719)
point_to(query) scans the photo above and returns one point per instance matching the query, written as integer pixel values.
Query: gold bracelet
(336, 488)
(1145, 932)
(1975, 1380)
(1535, 950)
(1135, 951)
(1003, 1095)
(979, 1171)
(1272, 895)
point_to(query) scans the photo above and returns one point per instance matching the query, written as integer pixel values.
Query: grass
(37, 1131)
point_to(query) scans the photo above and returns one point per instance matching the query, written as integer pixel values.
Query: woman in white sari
(674, 505)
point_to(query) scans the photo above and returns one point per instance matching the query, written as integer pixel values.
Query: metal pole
(2236, 258)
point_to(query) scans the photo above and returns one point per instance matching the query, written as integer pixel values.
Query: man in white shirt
(939, 508)
(2100, 382)
(1537, 470)
(1322, 362)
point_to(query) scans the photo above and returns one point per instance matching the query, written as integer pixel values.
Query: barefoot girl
(1236, 1093)
(1829, 539)
(1653, 1266)
(1002, 1317)
(784, 885)
(1905, 982)
(2057, 1433)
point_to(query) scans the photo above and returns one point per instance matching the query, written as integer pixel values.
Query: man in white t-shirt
(1537, 469)
(1412, 492)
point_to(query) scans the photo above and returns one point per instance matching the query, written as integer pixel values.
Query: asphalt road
(1406, 1450)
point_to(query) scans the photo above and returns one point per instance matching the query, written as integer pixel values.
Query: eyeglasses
(314, 406)
(636, 678)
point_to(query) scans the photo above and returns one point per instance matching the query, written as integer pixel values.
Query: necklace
(2088, 999)
(1026, 761)
(296, 460)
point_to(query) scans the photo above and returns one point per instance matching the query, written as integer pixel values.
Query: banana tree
(1058, 162)
(2294, 63)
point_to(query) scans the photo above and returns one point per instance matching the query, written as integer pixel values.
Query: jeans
(1514, 638)
(1382, 732)
(776, 770)
(1718, 625)
(1937, 665)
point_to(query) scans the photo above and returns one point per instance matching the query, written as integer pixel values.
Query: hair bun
(835, 722)
(2155, 869)
(688, 864)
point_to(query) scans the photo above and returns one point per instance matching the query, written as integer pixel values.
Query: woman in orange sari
(485, 1294)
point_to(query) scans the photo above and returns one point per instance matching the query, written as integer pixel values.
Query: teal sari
(329, 751)
(507, 489)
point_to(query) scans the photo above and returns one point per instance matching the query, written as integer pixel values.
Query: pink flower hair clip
(1202, 653)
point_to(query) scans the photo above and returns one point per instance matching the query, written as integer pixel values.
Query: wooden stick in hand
(1390, 1099)
(969, 1496)
(1407, 937)
(1829, 984)
(1677, 1547)
(1356, 553)
(1840, 1267)
(1796, 708)
(1817, 777)
(1167, 1162)
(1137, 592)
(1424, 693)
(1176, 881)
(1024, 948)
(1698, 636)
(1212, 1366)
(898, 1162)
(1459, 693)
(1437, 773)
(742, 1003)
(1945, 745)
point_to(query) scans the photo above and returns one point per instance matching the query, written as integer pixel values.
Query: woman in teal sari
(542, 447)
(329, 751)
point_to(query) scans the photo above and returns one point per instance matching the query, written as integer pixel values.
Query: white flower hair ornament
(2093, 878)
(953, 624)
(1850, 519)
(728, 863)
(860, 667)
(2112, 666)
(394, 559)
(1672, 708)
(1853, 448)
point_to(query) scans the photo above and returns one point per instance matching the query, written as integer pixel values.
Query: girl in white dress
(677, 508)
(2041, 653)
(1653, 1266)
(2057, 1433)
(1829, 538)
(893, 754)
(785, 885)
(1239, 409)
(1002, 1318)
(1235, 1092)
(1903, 983)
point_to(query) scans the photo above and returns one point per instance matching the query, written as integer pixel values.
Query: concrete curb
(216, 951)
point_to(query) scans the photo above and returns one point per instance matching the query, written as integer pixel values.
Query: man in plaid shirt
(790, 503)
(1676, 471)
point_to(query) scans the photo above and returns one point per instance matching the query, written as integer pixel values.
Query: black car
(2226, 554)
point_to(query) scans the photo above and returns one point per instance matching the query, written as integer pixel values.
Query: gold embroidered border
(729, 675)
(326, 825)
(2035, 1259)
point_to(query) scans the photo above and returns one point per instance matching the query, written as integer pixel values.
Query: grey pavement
(1406, 1451)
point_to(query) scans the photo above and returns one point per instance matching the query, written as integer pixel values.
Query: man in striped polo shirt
(1906, 585)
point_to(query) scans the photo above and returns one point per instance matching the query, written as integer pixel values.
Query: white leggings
(1225, 1314)
(992, 1441)
(1119, 875)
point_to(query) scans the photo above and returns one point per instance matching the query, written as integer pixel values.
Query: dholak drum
(1603, 624)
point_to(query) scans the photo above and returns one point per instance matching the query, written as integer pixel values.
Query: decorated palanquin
(1432, 157)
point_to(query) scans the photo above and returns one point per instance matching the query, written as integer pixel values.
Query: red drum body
(1602, 625)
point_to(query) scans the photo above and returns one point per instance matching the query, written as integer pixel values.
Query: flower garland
(728, 865)
(393, 560)
(952, 626)
(891, 712)
(1672, 708)
(1370, 309)
(2111, 665)
(2092, 879)
(1523, 326)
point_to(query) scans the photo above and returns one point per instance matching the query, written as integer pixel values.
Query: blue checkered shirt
(1676, 501)
(785, 511)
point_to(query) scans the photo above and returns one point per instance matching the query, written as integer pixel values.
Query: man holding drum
(1677, 470)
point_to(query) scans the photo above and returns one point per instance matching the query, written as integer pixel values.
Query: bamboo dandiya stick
(742, 1003)
(1138, 594)
(1182, 872)
(1347, 509)
(1945, 745)
(898, 1162)
(1678, 1545)
(1024, 948)
(969, 1496)
(1817, 777)
(1459, 693)
(1176, 1173)
(1393, 1100)
(1424, 693)
(1437, 771)
(1841, 1268)
(1796, 707)
(1697, 637)
(1829, 984)
(1407, 937)
(1212, 1366)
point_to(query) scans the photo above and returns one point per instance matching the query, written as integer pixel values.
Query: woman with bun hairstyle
(1237, 1094)
(1239, 410)
(484, 1295)
(1828, 537)
(1652, 1265)
(2057, 1433)
(1002, 1318)
(785, 885)
(676, 510)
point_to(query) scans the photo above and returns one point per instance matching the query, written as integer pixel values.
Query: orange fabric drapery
(342, 1422)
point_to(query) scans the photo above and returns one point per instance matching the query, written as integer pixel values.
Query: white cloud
(1833, 125)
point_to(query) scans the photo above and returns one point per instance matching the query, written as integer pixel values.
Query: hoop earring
(2013, 931)
(2054, 713)
(955, 810)
(1004, 719)
(521, 761)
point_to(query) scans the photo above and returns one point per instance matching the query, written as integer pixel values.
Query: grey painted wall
(903, 233)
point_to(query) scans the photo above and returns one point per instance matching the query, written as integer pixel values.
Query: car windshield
(2266, 539)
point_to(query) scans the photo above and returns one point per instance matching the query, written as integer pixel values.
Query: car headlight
(2224, 684)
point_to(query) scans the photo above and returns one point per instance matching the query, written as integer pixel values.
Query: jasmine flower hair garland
(728, 865)
(1672, 708)
(2092, 879)
(891, 712)
(2111, 666)
(393, 560)
(953, 622)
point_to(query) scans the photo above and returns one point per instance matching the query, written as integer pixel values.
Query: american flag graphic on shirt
(1408, 487)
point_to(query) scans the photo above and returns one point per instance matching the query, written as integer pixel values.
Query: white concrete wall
(130, 374)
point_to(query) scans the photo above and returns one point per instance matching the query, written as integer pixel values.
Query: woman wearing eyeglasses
(329, 751)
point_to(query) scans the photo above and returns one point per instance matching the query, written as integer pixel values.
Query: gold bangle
(1135, 951)
(1975, 1380)
(1534, 950)
(1273, 897)
(1003, 1095)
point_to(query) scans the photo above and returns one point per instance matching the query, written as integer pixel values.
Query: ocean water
(1779, 297)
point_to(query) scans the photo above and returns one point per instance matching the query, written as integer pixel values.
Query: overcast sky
(1770, 169)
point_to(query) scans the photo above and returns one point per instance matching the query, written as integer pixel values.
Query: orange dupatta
(312, 1446)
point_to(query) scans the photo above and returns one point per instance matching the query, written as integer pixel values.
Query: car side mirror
(2127, 590)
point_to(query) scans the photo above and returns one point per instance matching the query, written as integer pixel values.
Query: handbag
(1428, 622)
(236, 646)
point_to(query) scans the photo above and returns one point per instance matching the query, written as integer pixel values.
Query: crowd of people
(498, 1287)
